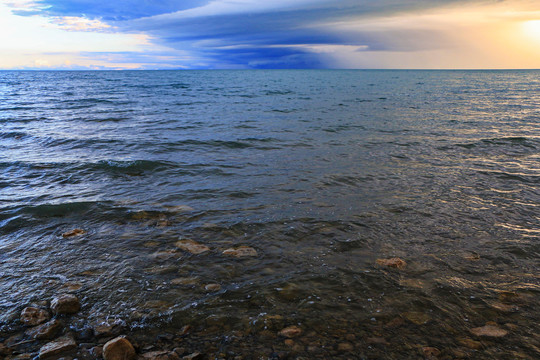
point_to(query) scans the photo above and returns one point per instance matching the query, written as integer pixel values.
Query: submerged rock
(396, 263)
(160, 355)
(56, 347)
(291, 332)
(430, 352)
(185, 281)
(65, 304)
(345, 347)
(416, 317)
(45, 331)
(212, 287)
(118, 349)
(74, 232)
(241, 251)
(33, 316)
(192, 246)
(490, 330)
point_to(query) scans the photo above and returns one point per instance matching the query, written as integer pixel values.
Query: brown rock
(192, 246)
(65, 304)
(185, 281)
(377, 341)
(34, 316)
(109, 327)
(74, 232)
(241, 251)
(396, 263)
(212, 287)
(45, 331)
(56, 347)
(489, 330)
(118, 349)
(470, 343)
(289, 342)
(184, 330)
(160, 355)
(416, 317)
(345, 347)
(430, 352)
(290, 332)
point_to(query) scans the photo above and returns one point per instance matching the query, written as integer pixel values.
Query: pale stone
(291, 332)
(65, 304)
(241, 251)
(489, 330)
(192, 246)
(159, 355)
(34, 316)
(185, 281)
(212, 287)
(396, 263)
(118, 349)
(56, 347)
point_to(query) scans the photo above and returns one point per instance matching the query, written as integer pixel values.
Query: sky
(247, 34)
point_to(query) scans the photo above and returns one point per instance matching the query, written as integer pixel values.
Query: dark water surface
(321, 172)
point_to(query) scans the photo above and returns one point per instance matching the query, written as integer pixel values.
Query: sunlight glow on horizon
(475, 36)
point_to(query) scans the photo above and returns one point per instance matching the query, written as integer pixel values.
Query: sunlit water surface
(321, 172)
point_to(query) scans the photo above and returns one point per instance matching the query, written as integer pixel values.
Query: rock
(430, 352)
(290, 332)
(396, 263)
(346, 347)
(185, 281)
(118, 349)
(418, 318)
(56, 347)
(192, 246)
(180, 209)
(470, 343)
(33, 316)
(45, 331)
(96, 351)
(194, 356)
(160, 355)
(74, 232)
(489, 330)
(504, 307)
(72, 286)
(165, 255)
(184, 330)
(212, 287)
(109, 328)
(377, 341)
(289, 342)
(65, 304)
(241, 251)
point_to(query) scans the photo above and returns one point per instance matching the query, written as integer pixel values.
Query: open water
(321, 172)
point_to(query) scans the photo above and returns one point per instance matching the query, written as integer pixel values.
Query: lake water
(320, 172)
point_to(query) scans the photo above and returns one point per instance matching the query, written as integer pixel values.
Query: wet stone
(241, 251)
(430, 352)
(159, 355)
(194, 356)
(345, 347)
(185, 281)
(45, 331)
(377, 341)
(212, 287)
(291, 332)
(59, 346)
(32, 316)
(109, 328)
(191, 246)
(118, 349)
(489, 330)
(470, 343)
(65, 304)
(74, 232)
(395, 262)
(416, 317)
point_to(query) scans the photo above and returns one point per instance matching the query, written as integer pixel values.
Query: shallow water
(322, 172)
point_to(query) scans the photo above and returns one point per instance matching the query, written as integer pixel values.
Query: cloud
(285, 33)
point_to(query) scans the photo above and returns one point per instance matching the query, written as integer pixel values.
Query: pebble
(430, 352)
(45, 331)
(489, 330)
(109, 328)
(241, 251)
(32, 316)
(185, 281)
(56, 347)
(470, 343)
(118, 349)
(212, 287)
(418, 318)
(160, 355)
(395, 262)
(74, 232)
(291, 332)
(191, 246)
(346, 347)
(65, 304)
